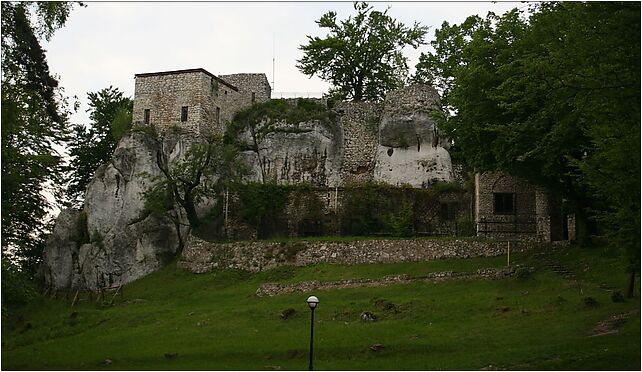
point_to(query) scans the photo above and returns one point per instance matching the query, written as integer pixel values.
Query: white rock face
(398, 166)
(122, 242)
(301, 152)
(410, 150)
(61, 250)
(126, 243)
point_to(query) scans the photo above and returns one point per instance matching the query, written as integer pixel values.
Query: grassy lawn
(215, 321)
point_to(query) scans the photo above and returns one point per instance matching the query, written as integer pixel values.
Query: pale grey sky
(107, 43)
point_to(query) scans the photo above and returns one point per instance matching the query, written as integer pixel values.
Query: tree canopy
(552, 95)
(206, 168)
(34, 124)
(111, 117)
(362, 55)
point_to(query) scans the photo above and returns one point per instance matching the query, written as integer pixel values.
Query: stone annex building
(503, 207)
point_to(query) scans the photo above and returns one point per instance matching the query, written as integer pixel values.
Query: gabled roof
(188, 71)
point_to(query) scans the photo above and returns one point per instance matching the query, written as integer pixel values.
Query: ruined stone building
(195, 99)
(115, 238)
(394, 141)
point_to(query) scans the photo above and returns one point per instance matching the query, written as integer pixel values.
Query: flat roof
(188, 71)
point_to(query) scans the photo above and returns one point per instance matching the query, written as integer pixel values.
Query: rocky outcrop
(297, 152)
(395, 141)
(410, 150)
(60, 256)
(113, 240)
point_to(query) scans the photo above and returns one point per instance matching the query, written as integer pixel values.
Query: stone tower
(195, 99)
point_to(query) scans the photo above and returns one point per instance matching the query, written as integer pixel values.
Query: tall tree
(202, 173)
(110, 115)
(361, 56)
(34, 122)
(553, 96)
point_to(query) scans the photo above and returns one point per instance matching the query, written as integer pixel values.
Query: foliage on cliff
(362, 55)
(552, 96)
(34, 123)
(202, 173)
(264, 117)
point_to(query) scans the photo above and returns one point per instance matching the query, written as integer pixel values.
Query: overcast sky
(105, 44)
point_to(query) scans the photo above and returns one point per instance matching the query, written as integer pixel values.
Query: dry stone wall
(200, 256)
(275, 289)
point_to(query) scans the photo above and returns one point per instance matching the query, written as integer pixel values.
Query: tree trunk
(190, 210)
(631, 287)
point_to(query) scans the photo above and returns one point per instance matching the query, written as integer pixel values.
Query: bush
(17, 289)
(522, 273)
(442, 187)
(400, 224)
(590, 302)
(466, 228)
(617, 296)
(262, 206)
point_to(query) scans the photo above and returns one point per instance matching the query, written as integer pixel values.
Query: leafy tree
(205, 170)
(90, 147)
(34, 123)
(361, 56)
(552, 96)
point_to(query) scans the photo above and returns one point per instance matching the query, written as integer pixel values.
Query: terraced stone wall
(200, 256)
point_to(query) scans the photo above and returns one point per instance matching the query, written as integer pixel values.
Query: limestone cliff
(410, 150)
(395, 141)
(113, 240)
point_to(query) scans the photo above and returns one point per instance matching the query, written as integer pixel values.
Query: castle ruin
(115, 239)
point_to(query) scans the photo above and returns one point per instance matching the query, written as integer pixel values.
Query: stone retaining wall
(275, 289)
(200, 256)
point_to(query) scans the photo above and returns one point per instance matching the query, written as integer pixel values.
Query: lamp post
(312, 302)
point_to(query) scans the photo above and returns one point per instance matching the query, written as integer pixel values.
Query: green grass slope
(215, 321)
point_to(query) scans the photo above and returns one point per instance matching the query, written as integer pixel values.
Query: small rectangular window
(184, 113)
(218, 115)
(504, 203)
(253, 97)
(146, 116)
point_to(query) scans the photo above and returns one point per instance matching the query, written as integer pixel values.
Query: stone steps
(550, 263)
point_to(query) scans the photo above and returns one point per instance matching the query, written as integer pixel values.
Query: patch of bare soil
(610, 325)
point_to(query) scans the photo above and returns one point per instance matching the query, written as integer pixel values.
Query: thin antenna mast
(273, 59)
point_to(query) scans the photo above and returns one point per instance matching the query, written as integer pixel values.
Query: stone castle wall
(200, 256)
(395, 141)
(360, 123)
(211, 101)
(164, 95)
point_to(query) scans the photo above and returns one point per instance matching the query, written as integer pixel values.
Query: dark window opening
(184, 113)
(225, 91)
(504, 203)
(146, 116)
(253, 97)
(218, 115)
